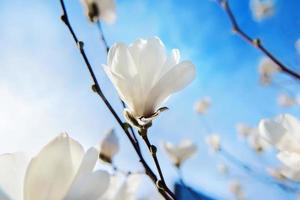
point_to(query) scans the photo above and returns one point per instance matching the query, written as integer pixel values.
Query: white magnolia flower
(123, 188)
(109, 146)
(180, 152)
(267, 68)
(262, 9)
(214, 142)
(61, 170)
(285, 100)
(202, 105)
(145, 76)
(244, 130)
(256, 142)
(223, 168)
(236, 189)
(297, 45)
(100, 10)
(283, 132)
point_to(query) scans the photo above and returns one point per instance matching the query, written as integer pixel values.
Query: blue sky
(45, 88)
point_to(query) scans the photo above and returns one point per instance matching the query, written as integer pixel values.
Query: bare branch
(96, 88)
(254, 42)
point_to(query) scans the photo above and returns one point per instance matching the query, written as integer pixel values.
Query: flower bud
(214, 142)
(266, 69)
(109, 146)
(100, 10)
(202, 105)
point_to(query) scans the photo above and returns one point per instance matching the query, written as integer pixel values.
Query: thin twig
(254, 42)
(234, 160)
(97, 89)
(153, 150)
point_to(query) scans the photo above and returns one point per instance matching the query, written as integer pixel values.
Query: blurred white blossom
(109, 146)
(100, 10)
(61, 170)
(283, 132)
(262, 9)
(145, 77)
(256, 142)
(202, 105)
(236, 189)
(178, 153)
(285, 100)
(276, 173)
(266, 69)
(122, 188)
(243, 130)
(214, 142)
(223, 168)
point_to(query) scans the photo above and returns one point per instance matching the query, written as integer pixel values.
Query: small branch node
(153, 149)
(256, 42)
(160, 185)
(80, 45)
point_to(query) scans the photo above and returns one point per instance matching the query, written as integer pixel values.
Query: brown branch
(254, 42)
(96, 87)
(153, 150)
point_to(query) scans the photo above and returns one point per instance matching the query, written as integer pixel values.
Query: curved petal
(120, 188)
(90, 186)
(88, 162)
(121, 62)
(291, 123)
(12, 172)
(128, 89)
(107, 11)
(188, 149)
(176, 79)
(171, 61)
(282, 132)
(128, 188)
(291, 174)
(271, 131)
(290, 159)
(51, 172)
(152, 61)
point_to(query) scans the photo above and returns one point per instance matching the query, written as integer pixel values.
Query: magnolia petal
(171, 61)
(181, 152)
(291, 123)
(129, 91)
(12, 172)
(51, 172)
(129, 188)
(90, 186)
(151, 61)
(120, 188)
(271, 131)
(289, 159)
(136, 49)
(88, 162)
(120, 61)
(176, 79)
(107, 11)
(291, 174)
(109, 145)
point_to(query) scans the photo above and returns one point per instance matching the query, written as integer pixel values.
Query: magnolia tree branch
(96, 88)
(104, 41)
(153, 150)
(254, 42)
(261, 177)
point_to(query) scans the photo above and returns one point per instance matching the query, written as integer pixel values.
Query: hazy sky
(45, 88)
